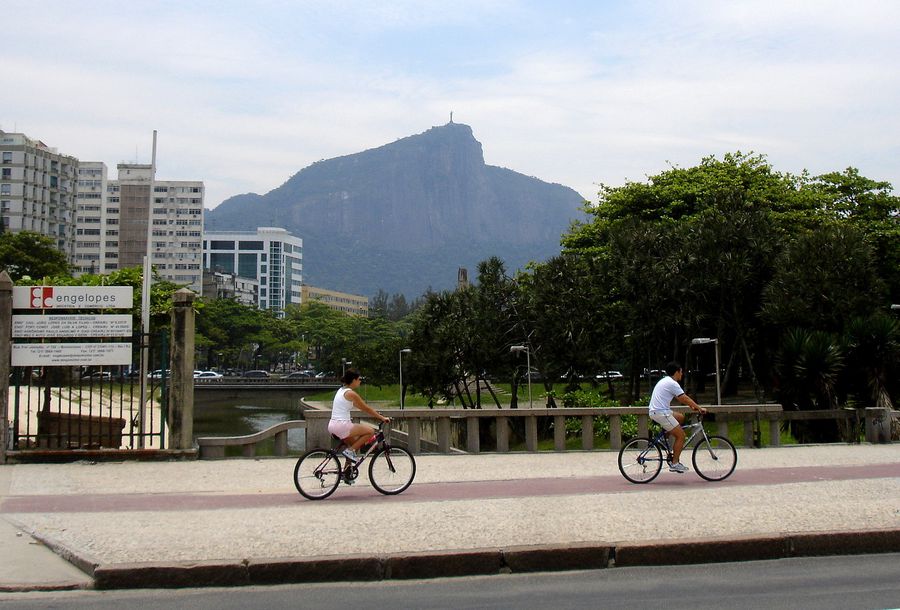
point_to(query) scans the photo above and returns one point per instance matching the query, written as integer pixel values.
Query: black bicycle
(319, 471)
(714, 457)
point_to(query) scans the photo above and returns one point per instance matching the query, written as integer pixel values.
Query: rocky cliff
(403, 217)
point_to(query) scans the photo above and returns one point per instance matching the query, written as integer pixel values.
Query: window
(247, 265)
(221, 245)
(6, 189)
(225, 262)
(7, 173)
(250, 245)
(7, 156)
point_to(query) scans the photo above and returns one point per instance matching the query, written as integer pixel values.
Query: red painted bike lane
(436, 492)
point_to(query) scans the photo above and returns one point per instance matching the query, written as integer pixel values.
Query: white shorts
(666, 420)
(340, 428)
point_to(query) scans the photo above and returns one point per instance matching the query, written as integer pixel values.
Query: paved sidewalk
(240, 521)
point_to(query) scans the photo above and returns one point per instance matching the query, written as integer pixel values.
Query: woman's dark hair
(672, 367)
(348, 376)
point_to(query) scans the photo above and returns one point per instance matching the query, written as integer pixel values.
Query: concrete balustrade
(410, 423)
(432, 430)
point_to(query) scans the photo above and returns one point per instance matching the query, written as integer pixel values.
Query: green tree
(31, 255)
(824, 279)
(872, 207)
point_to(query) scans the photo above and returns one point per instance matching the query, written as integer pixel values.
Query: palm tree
(808, 368)
(873, 349)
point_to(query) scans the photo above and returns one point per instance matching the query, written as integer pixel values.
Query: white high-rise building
(37, 190)
(270, 255)
(96, 251)
(177, 229)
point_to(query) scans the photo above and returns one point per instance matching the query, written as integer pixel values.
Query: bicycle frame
(662, 439)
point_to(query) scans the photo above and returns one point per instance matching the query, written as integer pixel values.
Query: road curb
(486, 561)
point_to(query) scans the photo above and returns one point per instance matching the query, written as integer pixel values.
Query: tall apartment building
(37, 190)
(350, 304)
(96, 244)
(112, 223)
(270, 255)
(177, 216)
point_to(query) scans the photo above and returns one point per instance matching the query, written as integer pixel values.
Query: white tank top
(340, 407)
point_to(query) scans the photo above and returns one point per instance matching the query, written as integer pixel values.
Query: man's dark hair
(348, 376)
(672, 367)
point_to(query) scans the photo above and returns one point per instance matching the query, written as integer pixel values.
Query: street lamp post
(344, 364)
(704, 341)
(524, 348)
(405, 350)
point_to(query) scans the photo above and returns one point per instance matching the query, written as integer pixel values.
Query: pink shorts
(340, 428)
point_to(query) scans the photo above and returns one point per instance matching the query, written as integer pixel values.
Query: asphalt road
(822, 583)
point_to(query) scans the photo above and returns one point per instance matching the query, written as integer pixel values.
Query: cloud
(244, 95)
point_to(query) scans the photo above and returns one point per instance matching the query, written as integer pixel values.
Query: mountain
(405, 216)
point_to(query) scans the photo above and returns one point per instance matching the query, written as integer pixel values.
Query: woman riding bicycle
(661, 412)
(353, 435)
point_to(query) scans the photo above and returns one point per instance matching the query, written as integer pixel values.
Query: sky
(244, 94)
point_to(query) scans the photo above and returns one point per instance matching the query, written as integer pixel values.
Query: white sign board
(86, 325)
(73, 297)
(70, 354)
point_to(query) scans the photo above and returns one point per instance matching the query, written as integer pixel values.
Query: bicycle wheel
(317, 474)
(714, 458)
(392, 470)
(640, 460)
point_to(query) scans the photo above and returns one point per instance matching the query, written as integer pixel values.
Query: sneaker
(350, 455)
(678, 467)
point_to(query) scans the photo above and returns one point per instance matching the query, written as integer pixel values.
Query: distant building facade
(270, 255)
(37, 190)
(176, 248)
(96, 244)
(112, 223)
(219, 285)
(351, 304)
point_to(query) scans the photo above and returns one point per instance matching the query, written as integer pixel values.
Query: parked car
(301, 375)
(610, 375)
(158, 373)
(324, 374)
(256, 374)
(207, 375)
(99, 375)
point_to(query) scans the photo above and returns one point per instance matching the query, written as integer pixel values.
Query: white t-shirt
(340, 406)
(663, 392)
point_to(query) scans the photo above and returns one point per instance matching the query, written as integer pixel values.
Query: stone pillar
(559, 433)
(473, 440)
(615, 432)
(414, 438)
(878, 425)
(502, 434)
(6, 287)
(181, 361)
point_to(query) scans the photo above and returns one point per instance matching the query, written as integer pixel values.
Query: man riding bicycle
(661, 412)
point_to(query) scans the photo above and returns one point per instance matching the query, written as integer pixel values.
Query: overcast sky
(246, 93)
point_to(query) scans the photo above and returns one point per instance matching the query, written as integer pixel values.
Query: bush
(587, 399)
